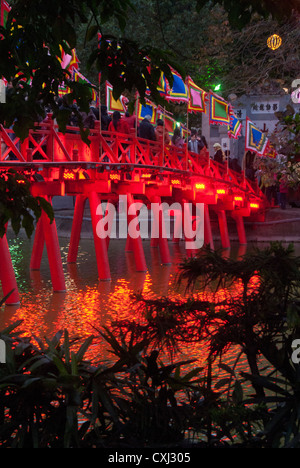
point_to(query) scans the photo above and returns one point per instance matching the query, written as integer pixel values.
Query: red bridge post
(38, 247)
(208, 238)
(160, 230)
(46, 233)
(7, 274)
(76, 228)
(240, 228)
(54, 256)
(99, 241)
(225, 241)
(135, 242)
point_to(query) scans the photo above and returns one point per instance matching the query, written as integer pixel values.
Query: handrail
(45, 144)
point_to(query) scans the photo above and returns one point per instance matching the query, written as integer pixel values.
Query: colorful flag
(219, 110)
(235, 127)
(63, 89)
(163, 85)
(255, 140)
(196, 97)
(80, 78)
(146, 109)
(170, 124)
(270, 151)
(5, 9)
(111, 103)
(178, 92)
(69, 62)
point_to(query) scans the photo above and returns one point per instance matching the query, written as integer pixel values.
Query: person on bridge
(161, 133)
(88, 119)
(177, 139)
(219, 155)
(105, 118)
(117, 124)
(146, 129)
(130, 120)
(95, 109)
(195, 144)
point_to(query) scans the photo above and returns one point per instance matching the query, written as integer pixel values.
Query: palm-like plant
(260, 316)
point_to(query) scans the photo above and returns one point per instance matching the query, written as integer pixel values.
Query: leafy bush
(52, 396)
(260, 318)
(18, 205)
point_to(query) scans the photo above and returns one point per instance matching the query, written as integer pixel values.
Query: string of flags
(235, 127)
(197, 97)
(220, 112)
(182, 91)
(256, 140)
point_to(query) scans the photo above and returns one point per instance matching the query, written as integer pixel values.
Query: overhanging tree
(36, 31)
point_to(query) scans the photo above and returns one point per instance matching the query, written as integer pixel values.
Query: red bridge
(115, 164)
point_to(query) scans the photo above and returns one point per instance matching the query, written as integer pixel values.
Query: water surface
(89, 303)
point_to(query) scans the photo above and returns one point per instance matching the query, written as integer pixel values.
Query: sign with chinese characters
(264, 107)
(240, 113)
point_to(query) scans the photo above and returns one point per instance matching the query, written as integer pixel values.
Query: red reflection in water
(88, 305)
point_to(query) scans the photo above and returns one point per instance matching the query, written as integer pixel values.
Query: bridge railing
(46, 144)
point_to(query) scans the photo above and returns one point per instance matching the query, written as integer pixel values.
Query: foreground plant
(258, 317)
(52, 397)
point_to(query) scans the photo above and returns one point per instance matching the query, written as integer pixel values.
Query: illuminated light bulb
(175, 182)
(200, 186)
(221, 191)
(115, 176)
(69, 175)
(238, 198)
(254, 205)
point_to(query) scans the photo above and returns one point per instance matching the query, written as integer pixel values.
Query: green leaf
(237, 394)
(74, 367)
(227, 369)
(91, 32)
(60, 365)
(83, 348)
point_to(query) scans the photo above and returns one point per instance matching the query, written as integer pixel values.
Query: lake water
(89, 303)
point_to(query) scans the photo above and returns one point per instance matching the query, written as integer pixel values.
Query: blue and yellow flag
(179, 91)
(234, 128)
(256, 140)
(147, 109)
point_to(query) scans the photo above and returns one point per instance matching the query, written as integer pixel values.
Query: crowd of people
(129, 124)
